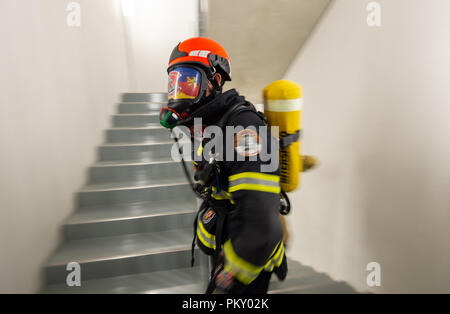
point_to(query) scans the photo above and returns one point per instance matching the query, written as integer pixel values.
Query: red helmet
(204, 52)
(192, 65)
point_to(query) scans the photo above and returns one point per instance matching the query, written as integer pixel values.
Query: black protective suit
(239, 224)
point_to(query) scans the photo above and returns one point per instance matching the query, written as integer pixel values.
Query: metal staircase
(132, 230)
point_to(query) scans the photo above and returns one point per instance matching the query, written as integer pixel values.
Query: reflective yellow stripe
(255, 181)
(241, 269)
(255, 187)
(244, 271)
(255, 175)
(206, 238)
(223, 195)
(204, 241)
(205, 233)
(200, 150)
(276, 260)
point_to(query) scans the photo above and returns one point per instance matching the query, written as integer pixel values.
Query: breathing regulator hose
(183, 163)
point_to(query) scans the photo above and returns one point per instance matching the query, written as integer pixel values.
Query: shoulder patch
(247, 143)
(208, 216)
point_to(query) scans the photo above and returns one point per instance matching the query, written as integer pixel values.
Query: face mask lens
(184, 83)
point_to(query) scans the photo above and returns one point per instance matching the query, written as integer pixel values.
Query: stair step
(140, 173)
(158, 151)
(130, 120)
(297, 270)
(304, 279)
(144, 97)
(332, 287)
(140, 107)
(298, 279)
(107, 194)
(123, 255)
(152, 134)
(104, 221)
(183, 280)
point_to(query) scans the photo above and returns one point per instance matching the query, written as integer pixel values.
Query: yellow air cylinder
(283, 102)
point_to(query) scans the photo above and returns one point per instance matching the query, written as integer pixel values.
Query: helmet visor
(184, 83)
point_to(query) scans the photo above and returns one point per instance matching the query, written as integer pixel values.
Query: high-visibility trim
(206, 238)
(255, 175)
(255, 187)
(208, 243)
(244, 271)
(255, 181)
(200, 150)
(205, 233)
(223, 195)
(283, 105)
(195, 163)
(277, 258)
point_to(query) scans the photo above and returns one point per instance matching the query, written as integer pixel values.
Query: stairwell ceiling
(262, 37)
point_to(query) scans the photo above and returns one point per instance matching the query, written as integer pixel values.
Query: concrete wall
(377, 115)
(58, 87)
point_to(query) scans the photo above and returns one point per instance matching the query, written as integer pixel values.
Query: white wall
(58, 87)
(153, 30)
(377, 114)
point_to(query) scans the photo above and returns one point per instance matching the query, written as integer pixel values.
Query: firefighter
(238, 222)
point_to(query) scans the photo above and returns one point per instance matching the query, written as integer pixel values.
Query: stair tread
(104, 248)
(330, 287)
(304, 279)
(132, 162)
(156, 127)
(168, 142)
(134, 184)
(129, 211)
(184, 280)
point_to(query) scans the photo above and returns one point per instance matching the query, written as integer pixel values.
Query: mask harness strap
(217, 89)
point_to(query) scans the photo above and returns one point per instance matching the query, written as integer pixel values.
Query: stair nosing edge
(124, 256)
(181, 212)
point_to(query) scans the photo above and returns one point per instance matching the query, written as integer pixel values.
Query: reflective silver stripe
(253, 181)
(206, 238)
(283, 105)
(275, 263)
(205, 241)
